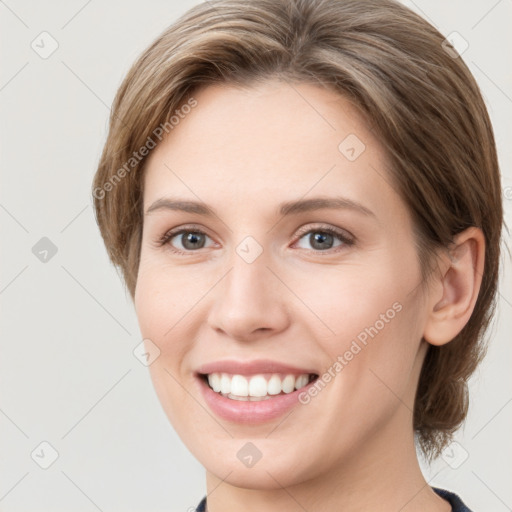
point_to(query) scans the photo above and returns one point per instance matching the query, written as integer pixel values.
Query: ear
(454, 292)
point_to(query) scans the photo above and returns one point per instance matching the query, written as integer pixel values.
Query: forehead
(273, 141)
(279, 114)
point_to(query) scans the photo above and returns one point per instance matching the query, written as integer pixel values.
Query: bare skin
(243, 152)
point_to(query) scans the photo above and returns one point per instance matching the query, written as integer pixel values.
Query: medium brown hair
(417, 96)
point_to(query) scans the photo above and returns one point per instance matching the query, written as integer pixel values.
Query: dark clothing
(452, 499)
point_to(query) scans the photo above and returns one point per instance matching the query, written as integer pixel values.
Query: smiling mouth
(258, 387)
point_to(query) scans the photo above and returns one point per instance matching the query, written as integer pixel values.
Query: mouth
(256, 387)
(253, 392)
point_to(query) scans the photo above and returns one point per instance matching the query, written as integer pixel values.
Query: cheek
(162, 303)
(164, 296)
(354, 299)
(371, 360)
(371, 320)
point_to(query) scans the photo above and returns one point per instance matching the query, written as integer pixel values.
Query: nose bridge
(248, 299)
(249, 276)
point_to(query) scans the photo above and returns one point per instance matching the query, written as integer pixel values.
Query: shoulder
(453, 499)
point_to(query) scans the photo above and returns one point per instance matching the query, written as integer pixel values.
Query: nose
(249, 303)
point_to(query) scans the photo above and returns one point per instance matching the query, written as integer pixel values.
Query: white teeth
(274, 385)
(257, 386)
(225, 384)
(302, 381)
(214, 381)
(288, 384)
(239, 386)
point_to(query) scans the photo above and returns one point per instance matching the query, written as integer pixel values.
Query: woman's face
(272, 234)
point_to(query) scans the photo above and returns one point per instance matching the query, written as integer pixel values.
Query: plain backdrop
(68, 375)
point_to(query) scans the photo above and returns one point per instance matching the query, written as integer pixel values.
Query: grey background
(68, 375)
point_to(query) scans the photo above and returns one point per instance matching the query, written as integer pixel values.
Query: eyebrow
(286, 208)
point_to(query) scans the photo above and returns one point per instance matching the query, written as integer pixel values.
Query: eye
(185, 240)
(324, 239)
(321, 239)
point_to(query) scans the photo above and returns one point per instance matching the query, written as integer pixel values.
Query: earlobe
(458, 284)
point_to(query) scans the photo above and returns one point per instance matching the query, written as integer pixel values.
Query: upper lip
(251, 367)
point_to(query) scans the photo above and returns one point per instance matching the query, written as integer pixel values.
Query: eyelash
(341, 236)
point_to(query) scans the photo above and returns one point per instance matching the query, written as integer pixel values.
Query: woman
(304, 200)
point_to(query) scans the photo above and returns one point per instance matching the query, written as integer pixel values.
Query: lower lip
(247, 412)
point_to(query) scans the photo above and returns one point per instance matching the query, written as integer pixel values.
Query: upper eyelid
(302, 229)
(325, 227)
